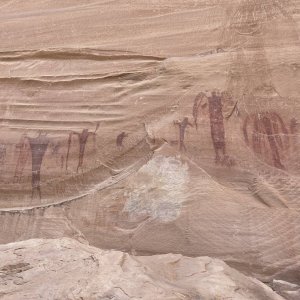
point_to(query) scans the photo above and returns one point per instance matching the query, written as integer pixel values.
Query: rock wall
(66, 269)
(154, 127)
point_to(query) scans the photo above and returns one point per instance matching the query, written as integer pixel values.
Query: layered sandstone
(154, 127)
(66, 269)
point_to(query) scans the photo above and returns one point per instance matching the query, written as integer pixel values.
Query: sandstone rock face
(289, 290)
(67, 269)
(155, 127)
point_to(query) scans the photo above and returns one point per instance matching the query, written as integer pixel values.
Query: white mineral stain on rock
(159, 189)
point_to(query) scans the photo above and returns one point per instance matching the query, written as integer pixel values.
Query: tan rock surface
(289, 290)
(154, 126)
(66, 269)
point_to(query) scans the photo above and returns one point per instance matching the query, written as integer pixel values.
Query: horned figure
(217, 129)
(82, 139)
(120, 138)
(182, 127)
(267, 135)
(38, 148)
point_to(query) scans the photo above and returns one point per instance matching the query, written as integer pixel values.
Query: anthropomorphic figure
(182, 128)
(2, 153)
(217, 124)
(82, 139)
(120, 138)
(269, 135)
(22, 150)
(215, 108)
(38, 148)
(196, 107)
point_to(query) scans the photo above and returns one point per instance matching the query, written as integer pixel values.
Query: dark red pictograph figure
(182, 127)
(217, 125)
(2, 154)
(267, 135)
(120, 138)
(38, 148)
(197, 104)
(82, 139)
(23, 151)
(217, 130)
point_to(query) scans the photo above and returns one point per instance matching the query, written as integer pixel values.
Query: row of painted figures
(38, 146)
(264, 132)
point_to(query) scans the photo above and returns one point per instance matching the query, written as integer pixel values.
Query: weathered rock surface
(155, 126)
(171, 205)
(66, 269)
(289, 290)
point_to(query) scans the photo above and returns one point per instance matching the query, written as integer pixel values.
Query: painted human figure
(38, 147)
(120, 138)
(23, 149)
(182, 128)
(196, 107)
(2, 153)
(269, 135)
(215, 108)
(217, 125)
(82, 139)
